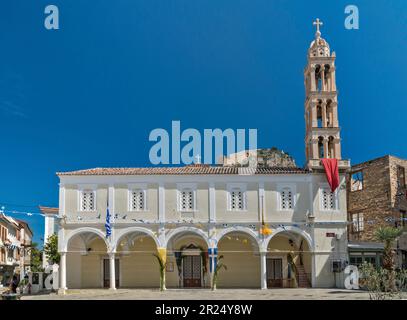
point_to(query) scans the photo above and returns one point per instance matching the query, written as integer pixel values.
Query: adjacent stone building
(376, 197)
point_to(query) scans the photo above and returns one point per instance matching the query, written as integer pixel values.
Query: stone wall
(380, 197)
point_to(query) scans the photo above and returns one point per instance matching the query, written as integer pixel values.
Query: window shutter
(286, 196)
(186, 200)
(88, 200)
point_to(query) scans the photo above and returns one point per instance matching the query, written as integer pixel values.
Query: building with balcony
(10, 248)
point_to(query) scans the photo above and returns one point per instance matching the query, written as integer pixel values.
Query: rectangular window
(137, 200)
(328, 199)
(286, 199)
(236, 199)
(186, 200)
(356, 260)
(356, 181)
(403, 217)
(401, 176)
(3, 233)
(357, 222)
(88, 200)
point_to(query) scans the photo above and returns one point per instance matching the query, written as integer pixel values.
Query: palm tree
(162, 265)
(388, 235)
(217, 268)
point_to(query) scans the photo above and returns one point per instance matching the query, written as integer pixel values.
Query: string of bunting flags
(264, 226)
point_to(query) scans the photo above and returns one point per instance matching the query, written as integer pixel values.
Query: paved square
(205, 294)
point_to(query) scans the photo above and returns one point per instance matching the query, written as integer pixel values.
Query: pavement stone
(204, 294)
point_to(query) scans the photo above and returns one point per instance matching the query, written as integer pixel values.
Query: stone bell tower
(322, 137)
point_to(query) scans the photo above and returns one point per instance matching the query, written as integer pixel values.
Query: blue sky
(89, 94)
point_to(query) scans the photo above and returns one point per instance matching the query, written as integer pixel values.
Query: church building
(271, 226)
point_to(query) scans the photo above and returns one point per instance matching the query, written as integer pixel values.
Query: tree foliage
(381, 283)
(51, 249)
(36, 258)
(219, 265)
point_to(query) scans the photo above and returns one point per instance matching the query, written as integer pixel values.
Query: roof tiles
(186, 170)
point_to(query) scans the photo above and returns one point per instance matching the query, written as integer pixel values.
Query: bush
(381, 283)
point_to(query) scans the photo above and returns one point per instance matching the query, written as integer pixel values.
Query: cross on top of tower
(318, 23)
(198, 159)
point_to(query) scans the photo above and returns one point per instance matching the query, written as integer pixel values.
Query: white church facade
(194, 212)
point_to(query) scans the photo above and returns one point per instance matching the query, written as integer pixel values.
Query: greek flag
(107, 224)
(213, 257)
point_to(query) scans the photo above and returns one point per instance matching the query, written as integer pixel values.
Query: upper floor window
(3, 233)
(137, 200)
(236, 197)
(401, 176)
(88, 200)
(2, 255)
(328, 199)
(186, 199)
(403, 218)
(286, 197)
(357, 222)
(356, 181)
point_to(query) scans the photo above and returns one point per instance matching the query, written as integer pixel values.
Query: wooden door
(192, 266)
(106, 272)
(275, 273)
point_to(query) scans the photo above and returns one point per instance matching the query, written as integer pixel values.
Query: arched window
(321, 147)
(327, 77)
(331, 147)
(318, 79)
(319, 114)
(329, 114)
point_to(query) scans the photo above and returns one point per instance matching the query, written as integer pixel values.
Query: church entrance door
(192, 271)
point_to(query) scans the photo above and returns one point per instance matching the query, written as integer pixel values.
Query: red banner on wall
(332, 172)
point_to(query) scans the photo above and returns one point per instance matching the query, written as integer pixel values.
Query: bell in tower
(322, 137)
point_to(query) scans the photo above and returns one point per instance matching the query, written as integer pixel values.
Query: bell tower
(322, 136)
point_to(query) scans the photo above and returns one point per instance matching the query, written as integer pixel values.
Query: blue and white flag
(107, 224)
(213, 257)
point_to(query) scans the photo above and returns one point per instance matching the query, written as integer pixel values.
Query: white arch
(186, 229)
(121, 233)
(292, 229)
(245, 230)
(84, 230)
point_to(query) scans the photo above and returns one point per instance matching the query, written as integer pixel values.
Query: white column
(313, 270)
(112, 271)
(324, 118)
(262, 200)
(62, 270)
(110, 195)
(212, 202)
(326, 156)
(313, 84)
(161, 203)
(333, 79)
(322, 78)
(61, 200)
(263, 270)
(311, 197)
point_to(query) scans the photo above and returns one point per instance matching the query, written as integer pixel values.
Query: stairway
(302, 278)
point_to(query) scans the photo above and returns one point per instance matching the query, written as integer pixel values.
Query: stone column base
(62, 291)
